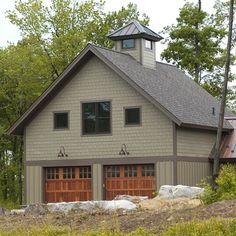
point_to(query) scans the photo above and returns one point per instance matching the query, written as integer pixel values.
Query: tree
(223, 101)
(64, 28)
(194, 42)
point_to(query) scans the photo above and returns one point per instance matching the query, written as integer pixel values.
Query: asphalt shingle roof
(170, 87)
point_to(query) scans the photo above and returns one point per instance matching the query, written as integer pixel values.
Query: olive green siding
(191, 173)
(96, 82)
(148, 56)
(134, 52)
(97, 182)
(195, 143)
(34, 184)
(164, 173)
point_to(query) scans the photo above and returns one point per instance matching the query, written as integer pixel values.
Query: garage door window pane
(85, 172)
(52, 173)
(148, 170)
(69, 173)
(112, 171)
(130, 171)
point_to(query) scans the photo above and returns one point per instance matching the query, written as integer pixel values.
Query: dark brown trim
(175, 170)
(194, 126)
(224, 160)
(192, 159)
(43, 185)
(25, 172)
(113, 161)
(141, 50)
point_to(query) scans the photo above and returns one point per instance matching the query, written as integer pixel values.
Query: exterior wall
(96, 82)
(164, 173)
(97, 181)
(191, 173)
(34, 184)
(148, 56)
(195, 143)
(134, 52)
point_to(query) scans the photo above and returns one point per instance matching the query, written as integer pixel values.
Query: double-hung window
(96, 118)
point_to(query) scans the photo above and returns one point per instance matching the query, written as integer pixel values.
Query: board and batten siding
(164, 173)
(34, 184)
(195, 143)
(191, 173)
(96, 82)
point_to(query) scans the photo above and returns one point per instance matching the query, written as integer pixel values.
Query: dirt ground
(123, 220)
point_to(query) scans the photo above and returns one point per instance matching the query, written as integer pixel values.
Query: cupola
(137, 40)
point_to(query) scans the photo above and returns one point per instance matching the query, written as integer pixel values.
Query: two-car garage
(64, 184)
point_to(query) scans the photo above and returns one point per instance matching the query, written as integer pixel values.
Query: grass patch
(55, 231)
(9, 205)
(212, 227)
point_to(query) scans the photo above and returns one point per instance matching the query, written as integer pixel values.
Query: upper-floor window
(132, 116)
(128, 43)
(96, 118)
(148, 44)
(61, 120)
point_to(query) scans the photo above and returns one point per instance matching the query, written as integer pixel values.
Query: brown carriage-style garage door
(133, 180)
(68, 184)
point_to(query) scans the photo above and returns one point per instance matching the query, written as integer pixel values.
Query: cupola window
(128, 43)
(148, 44)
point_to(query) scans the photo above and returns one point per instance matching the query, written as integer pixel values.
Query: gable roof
(168, 88)
(134, 29)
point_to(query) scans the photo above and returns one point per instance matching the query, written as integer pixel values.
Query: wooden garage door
(132, 180)
(68, 184)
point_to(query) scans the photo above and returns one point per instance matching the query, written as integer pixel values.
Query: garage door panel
(129, 180)
(68, 184)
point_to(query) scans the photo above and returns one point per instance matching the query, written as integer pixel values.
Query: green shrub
(226, 183)
(212, 227)
(9, 205)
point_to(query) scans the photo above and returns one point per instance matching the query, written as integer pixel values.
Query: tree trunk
(20, 171)
(223, 101)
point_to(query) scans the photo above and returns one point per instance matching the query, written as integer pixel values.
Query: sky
(161, 13)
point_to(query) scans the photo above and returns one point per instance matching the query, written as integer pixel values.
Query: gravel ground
(120, 219)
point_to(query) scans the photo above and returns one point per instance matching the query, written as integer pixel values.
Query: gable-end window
(61, 120)
(148, 44)
(96, 118)
(132, 116)
(128, 43)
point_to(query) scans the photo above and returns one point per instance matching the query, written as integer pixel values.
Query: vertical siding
(195, 143)
(97, 182)
(34, 184)
(191, 173)
(134, 52)
(148, 56)
(96, 82)
(164, 173)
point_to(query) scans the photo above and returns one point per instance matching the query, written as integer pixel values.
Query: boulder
(91, 205)
(179, 191)
(134, 199)
(37, 209)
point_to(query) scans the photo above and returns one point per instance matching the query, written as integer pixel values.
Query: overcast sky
(161, 13)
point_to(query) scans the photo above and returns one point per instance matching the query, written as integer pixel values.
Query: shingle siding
(195, 143)
(148, 56)
(96, 82)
